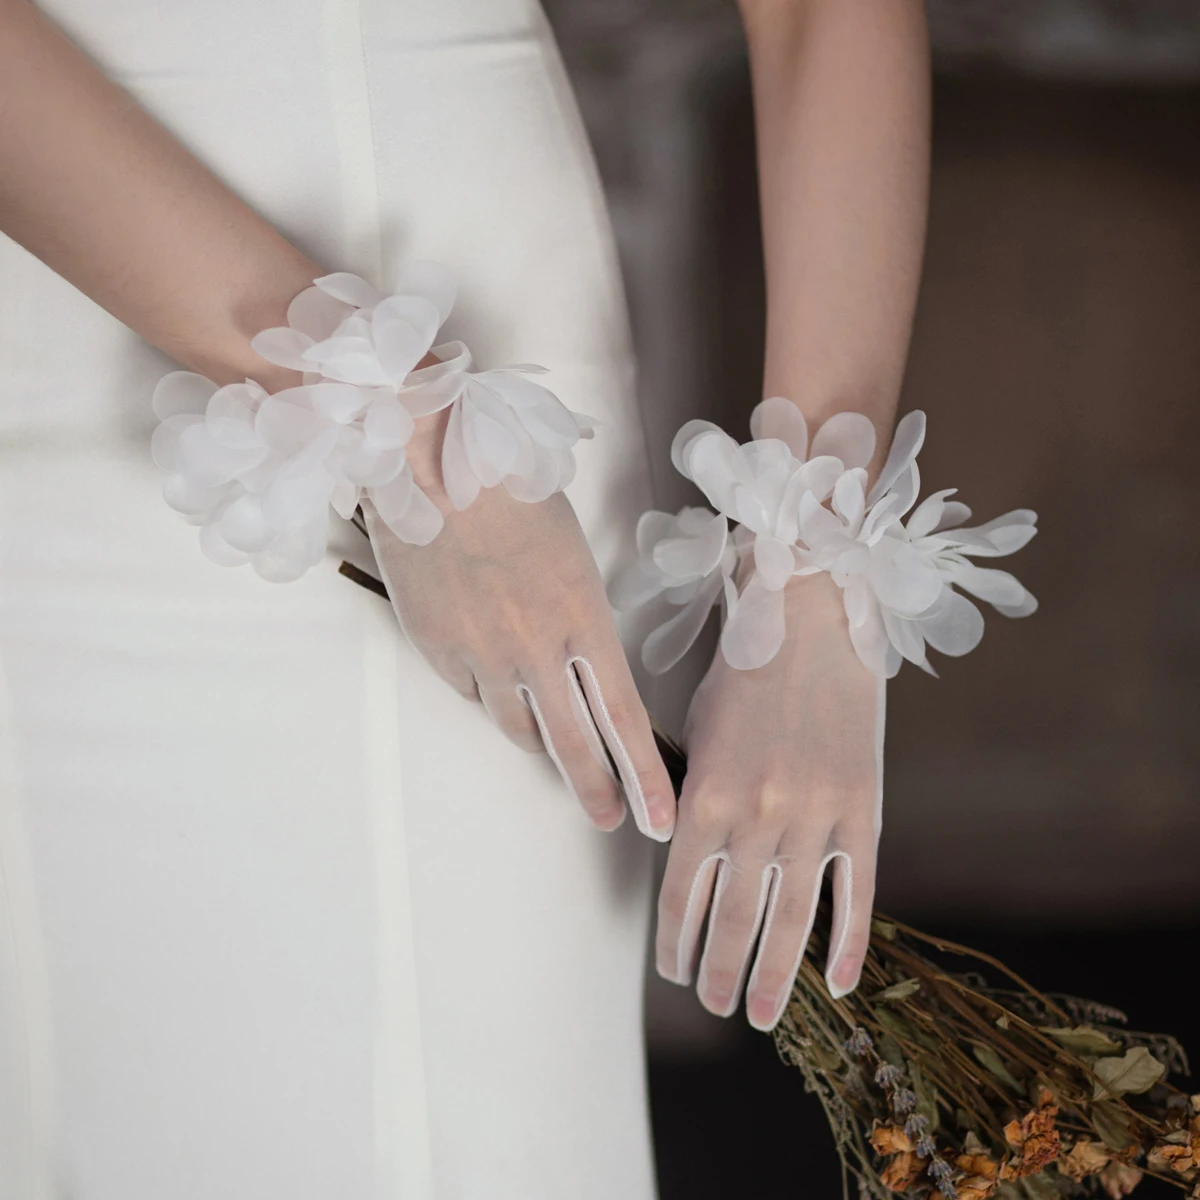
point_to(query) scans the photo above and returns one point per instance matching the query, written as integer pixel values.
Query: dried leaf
(897, 991)
(1083, 1039)
(1002, 1021)
(1118, 1179)
(883, 929)
(890, 1049)
(927, 1096)
(1109, 1122)
(896, 1024)
(1137, 1070)
(989, 1059)
(1086, 1158)
(1041, 1187)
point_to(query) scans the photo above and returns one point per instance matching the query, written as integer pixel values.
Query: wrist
(424, 451)
(221, 349)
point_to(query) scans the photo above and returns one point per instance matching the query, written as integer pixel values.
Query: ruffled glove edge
(258, 472)
(800, 509)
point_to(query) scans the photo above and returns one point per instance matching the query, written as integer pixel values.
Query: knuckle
(769, 802)
(707, 811)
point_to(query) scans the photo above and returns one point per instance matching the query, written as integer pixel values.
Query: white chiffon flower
(683, 563)
(898, 579)
(761, 486)
(803, 509)
(259, 472)
(342, 329)
(503, 428)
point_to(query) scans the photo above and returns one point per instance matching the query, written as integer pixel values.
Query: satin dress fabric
(282, 917)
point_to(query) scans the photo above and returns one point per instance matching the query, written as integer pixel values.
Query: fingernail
(662, 817)
(761, 1011)
(717, 1003)
(666, 971)
(609, 820)
(843, 979)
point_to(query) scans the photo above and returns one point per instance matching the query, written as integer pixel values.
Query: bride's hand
(784, 775)
(507, 605)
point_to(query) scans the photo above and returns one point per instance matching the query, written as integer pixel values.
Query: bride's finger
(853, 897)
(683, 900)
(570, 748)
(789, 921)
(621, 718)
(738, 904)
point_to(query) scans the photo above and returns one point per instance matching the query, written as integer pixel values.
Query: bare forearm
(841, 91)
(105, 196)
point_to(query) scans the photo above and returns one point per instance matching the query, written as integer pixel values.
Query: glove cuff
(801, 509)
(258, 473)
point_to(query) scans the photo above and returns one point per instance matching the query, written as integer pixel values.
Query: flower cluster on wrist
(259, 472)
(801, 508)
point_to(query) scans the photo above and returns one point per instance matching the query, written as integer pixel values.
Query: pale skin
(94, 187)
(782, 760)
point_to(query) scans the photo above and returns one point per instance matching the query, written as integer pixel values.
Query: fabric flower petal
(688, 557)
(777, 417)
(906, 445)
(849, 436)
(316, 313)
(774, 561)
(672, 640)
(754, 629)
(350, 289)
(955, 627)
(284, 347)
(182, 393)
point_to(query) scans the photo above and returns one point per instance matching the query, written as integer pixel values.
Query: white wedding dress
(282, 917)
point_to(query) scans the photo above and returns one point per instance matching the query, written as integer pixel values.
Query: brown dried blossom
(1119, 1179)
(1085, 1158)
(1182, 1159)
(891, 1139)
(902, 1171)
(981, 1176)
(1034, 1137)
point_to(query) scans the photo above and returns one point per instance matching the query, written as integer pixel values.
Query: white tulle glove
(504, 600)
(784, 776)
(826, 589)
(507, 604)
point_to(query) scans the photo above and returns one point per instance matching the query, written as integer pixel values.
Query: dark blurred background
(1042, 795)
